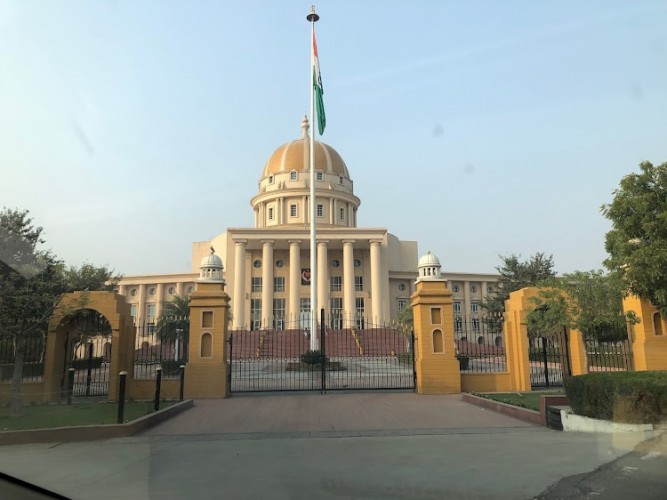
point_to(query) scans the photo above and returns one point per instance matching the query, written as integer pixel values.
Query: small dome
(211, 261)
(295, 155)
(429, 267)
(210, 268)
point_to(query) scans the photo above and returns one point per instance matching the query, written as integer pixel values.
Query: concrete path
(366, 446)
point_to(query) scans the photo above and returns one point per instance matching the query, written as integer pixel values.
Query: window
(133, 310)
(293, 175)
(474, 307)
(151, 291)
(270, 179)
(402, 304)
(171, 290)
(359, 284)
(257, 264)
(473, 289)
(191, 289)
(475, 327)
(336, 283)
(336, 312)
(490, 288)
(278, 314)
(342, 214)
(257, 284)
(458, 325)
(335, 263)
(457, 307)
(359, 308)
(279, 284)
(320, 210)
(292, 210)
(270, 213)
(280, 263)
(357, 263)
(150, 311)
(340, 180)
(255, 314)
(401, 287)
(319, 176)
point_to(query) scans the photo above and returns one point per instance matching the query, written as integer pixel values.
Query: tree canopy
(637, 242)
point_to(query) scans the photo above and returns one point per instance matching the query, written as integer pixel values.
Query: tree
(637, 242)
(515, 275)
(91, 278)
(405, 318)
(589, 301)
(174, 322)
(32, 282)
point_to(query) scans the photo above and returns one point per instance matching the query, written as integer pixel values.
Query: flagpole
(314, 344)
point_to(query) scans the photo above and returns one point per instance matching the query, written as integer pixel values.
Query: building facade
(365, 275)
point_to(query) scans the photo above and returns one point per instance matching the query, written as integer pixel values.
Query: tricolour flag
(319, 90)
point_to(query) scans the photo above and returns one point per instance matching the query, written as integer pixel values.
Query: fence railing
(480, 347)
(610, 356)
(160, 345)
(34, 349)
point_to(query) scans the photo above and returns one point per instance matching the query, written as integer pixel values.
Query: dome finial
(304, 126)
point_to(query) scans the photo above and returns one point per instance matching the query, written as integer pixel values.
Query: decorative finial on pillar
(304, 127)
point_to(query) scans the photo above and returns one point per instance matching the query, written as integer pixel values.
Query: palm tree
(173, 325)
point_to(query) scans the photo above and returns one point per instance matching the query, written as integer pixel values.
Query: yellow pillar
(206, 369)
(649, 336)
(516, 337)
(578, 357)
(438, 370)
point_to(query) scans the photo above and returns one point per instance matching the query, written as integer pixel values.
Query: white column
(294, 282)
(267, 283)
(179, 289)
(304, 203)
(466, 303)
(323, 277)
(348, 283)
(121, 289)
(331, 211)
(376, 282)
(160, 299)
(238, 299)
(141, 306)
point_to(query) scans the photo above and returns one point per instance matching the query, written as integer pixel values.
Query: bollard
(180, 391)
(158, 383)
(70, 385)
(121, 396)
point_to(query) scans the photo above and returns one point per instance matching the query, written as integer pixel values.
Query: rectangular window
(475, 325)
(359, 283)
(255, 314)
(293, 175)
(474, 307)
(304, 313)
(320, 176)
(257, 284)
(270, 213)
(336, 283)
(292, 210)
(402, 304)
(133, 310)
(458, 325)
(457, 307)
(279, 284)
(150, 311)
(342, 214)
(359, 308)
(320, 210)
(278, 314)
(336, 312)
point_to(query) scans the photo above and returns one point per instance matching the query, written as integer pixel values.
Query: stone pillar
(438, 370)
(323, 277)
(332, 211)
(376, 281)
(238, 300)
(467, 313)
(159, 300)
(206, 369)
(649, 336)
(141, 306)
(267, 283)
(121, 289)
(179, 289)
(294, 282)
(349, 305)
(577, 355)
(515, 332)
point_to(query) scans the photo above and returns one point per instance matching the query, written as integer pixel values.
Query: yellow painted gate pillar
(206, 369)
(649, 336)
(438, 370)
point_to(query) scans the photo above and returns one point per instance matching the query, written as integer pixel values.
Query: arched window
(206, 345)
(437, 341)
(657, 324)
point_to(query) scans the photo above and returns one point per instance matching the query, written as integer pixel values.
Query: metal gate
(375, 357)
(88, 352)
(549, 359)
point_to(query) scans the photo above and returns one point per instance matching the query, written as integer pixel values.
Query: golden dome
(295, 155)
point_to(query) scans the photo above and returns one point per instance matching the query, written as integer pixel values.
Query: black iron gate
(549, 359)
(88, 352)
(373, 357)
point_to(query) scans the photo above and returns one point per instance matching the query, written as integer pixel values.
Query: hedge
(629, 397)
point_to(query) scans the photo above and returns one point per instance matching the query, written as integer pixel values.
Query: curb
(93, 432)
(531, 416)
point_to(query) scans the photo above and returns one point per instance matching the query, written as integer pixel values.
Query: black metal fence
(343, 359)
(549, 359)
(163, 344)
(480, 347)
(34, 349)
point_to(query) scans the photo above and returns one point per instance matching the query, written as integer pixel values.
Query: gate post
(649, 336)
(206, 369)
(516, 336)
(438, 370)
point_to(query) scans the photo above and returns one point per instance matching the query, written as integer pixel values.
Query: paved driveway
(366, 446)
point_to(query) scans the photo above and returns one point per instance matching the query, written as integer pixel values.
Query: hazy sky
(131, 129)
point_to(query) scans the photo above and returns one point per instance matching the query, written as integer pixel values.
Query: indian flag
(319, 90)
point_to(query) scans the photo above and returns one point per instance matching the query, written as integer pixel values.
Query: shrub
(82, 364)
(313, 358)
(630, 397)
(171, 367)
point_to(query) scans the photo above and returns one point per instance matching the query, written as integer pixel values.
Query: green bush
(30, 370)
(313, 358)
(630, 397)
(171, 367)
(82, 364)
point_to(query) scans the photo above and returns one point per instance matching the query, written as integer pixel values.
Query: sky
(478, 128)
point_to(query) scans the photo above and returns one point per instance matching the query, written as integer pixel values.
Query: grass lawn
(56, 415)
(530, 400)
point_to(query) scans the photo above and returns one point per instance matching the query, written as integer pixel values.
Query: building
(365, 275)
